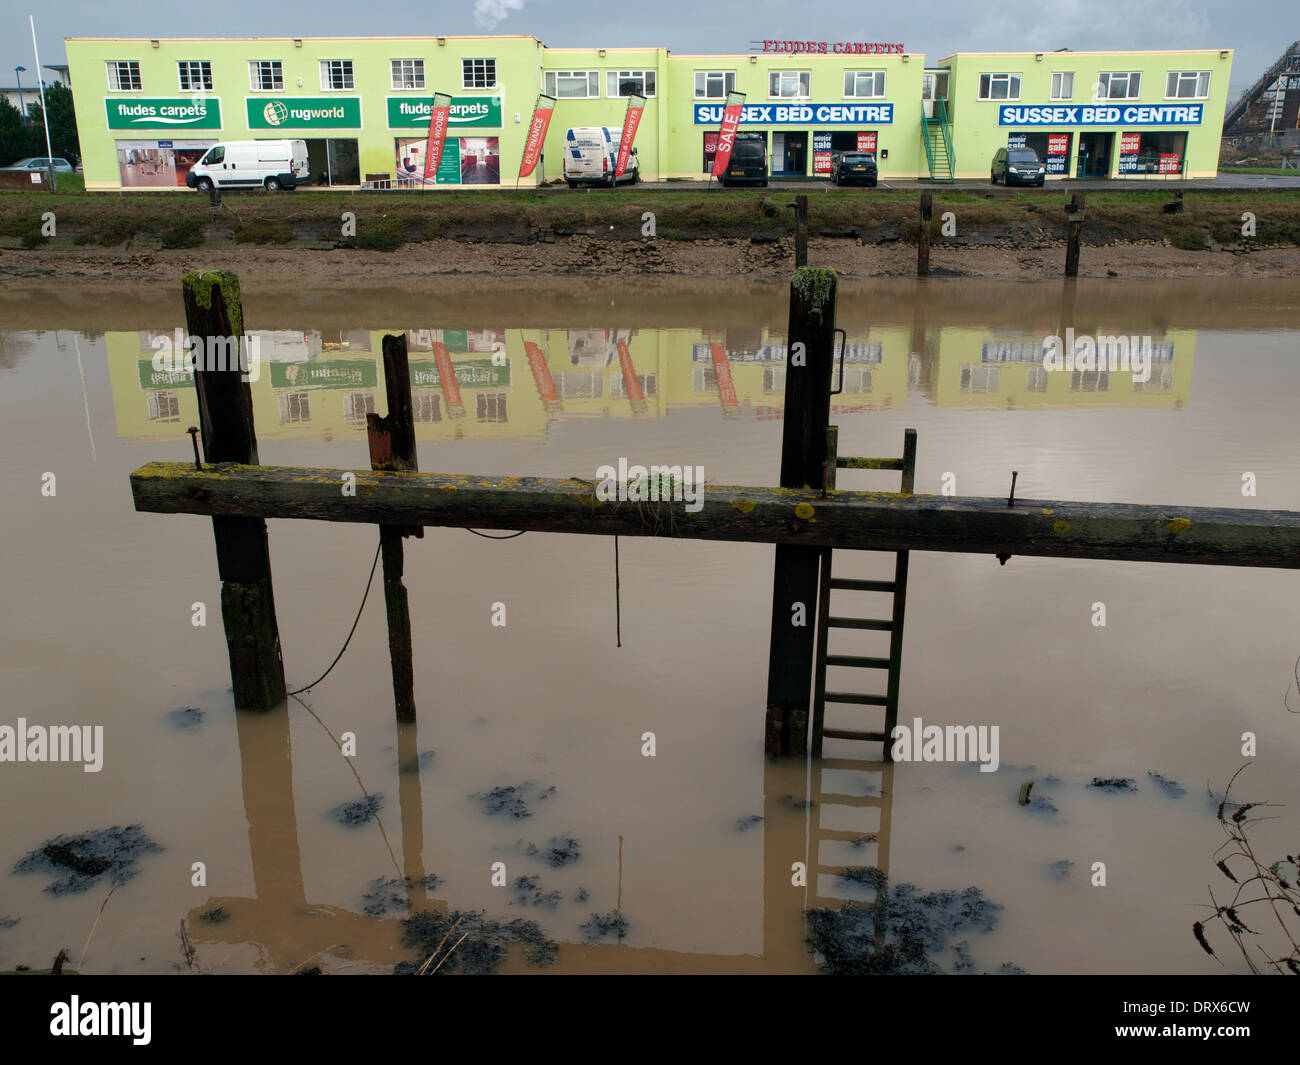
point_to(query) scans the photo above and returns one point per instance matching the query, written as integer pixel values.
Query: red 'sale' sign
(727, 135)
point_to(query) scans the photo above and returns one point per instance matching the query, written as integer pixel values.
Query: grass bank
(386, 221)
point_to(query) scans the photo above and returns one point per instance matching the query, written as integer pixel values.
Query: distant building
(148, 109)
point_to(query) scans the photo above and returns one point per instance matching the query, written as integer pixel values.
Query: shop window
(573, 84)
(1119, 86)
(629, 83)
(408, 73)
(1161, 380)
(165, 407)
(714, 84)
(490, 406)
(1063, 85)
(857, 379)
(266, 75)
(649, 384)
(294, 407)
(335, 75)
(999, 86)
(789, 84)
(774, 379)
(864, 84)
(1187, 85)
(123, 75)
(478, 73)
(195, 75)
(704, 378)
(579, 384)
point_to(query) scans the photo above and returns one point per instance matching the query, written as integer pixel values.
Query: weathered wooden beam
(923, 235)
(214, 318)
(872, 521)
(392, 447)
(810, 340)
(1073, 234)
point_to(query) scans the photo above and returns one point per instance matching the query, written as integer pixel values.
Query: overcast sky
(1259, 30)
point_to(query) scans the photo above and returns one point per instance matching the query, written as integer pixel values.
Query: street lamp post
(22, 100)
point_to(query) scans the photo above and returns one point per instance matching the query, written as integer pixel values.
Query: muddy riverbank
(469, 266)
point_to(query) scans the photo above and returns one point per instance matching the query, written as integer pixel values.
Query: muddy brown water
(100, 600)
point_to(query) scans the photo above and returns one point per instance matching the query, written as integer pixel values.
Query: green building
(147, 109)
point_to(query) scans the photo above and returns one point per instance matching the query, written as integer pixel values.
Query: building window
(774, 379)
(408, 73)
(864, 84)
(490, 406)
(1123, 86)
(266, 75)
(294, 407)
(1089, 380)
(999, 86)
(427, 406)
(580, 384)
(195, 75)
(123, 75)
(629, 83)
(714, 84)
(356, 405)
(788, 84)
(573, 84)
(976, 377)
(335, 74)
(649, 384)
(478, 73)
(704, 378)
(1187, 85)
(166, 407)
(1036, 379)
(1063, 85)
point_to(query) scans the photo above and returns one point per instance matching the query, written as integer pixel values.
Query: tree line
(18, 141)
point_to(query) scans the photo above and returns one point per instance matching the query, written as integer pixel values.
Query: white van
(271, 165)
(591, 156)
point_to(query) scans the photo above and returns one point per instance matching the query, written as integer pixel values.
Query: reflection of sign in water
(871, 353)
(342, 373)
(153, 378)
(1030, 349)
(470, 373)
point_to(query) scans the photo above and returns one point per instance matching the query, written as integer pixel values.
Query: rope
(618, 608)
(489, 536)
(362, 607)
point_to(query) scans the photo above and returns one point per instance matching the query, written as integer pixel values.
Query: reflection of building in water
(1004, 368)
(509, 383)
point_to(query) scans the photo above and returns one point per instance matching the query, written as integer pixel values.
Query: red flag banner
(635, 105)
(439, 119)
(722, 374)
(536, 138)
(727, 135)
(447, 378)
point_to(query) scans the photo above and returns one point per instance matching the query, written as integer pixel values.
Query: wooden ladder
(892, 625)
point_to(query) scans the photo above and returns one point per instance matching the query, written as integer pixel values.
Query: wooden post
(923, 235)
(214, 316)
(800, 231)
(1073, 233)
(392, 447)
(810, 342)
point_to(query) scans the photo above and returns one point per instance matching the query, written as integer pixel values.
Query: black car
(748, 162)
(854, 168)
(1018, 166)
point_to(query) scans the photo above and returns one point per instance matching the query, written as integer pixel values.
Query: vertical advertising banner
(533, 143)
(439, 119)
(635, 105)
(1058, 152)
(867, 140)
(1129, 146)
(821, 154)
(727, 134)
(722, 374)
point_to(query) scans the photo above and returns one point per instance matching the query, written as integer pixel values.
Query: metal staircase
(937, 135)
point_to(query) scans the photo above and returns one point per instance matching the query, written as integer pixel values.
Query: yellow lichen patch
(1061, 527)
(803, 511)
(447, 488)
(1178, 525)
(745, 505)
(1048, 510)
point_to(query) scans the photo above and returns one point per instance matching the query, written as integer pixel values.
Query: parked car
(272, 165)
(591, 157)
(854, 168)
(61, 166)
(748, 162)
(1017, 166)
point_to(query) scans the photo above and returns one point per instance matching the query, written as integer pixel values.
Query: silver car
(62, 166)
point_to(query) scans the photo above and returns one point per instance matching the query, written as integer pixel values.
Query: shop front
(830, 128)
(474, 159)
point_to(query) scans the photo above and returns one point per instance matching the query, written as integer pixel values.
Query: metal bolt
(193, 430)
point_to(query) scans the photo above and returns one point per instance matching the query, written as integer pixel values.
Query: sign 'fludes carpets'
(168, 112)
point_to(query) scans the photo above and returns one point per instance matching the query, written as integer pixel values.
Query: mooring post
(1073, 234)
(392, 447)
(810, 343)
(923, 235)
(800, 231)
(214, 316)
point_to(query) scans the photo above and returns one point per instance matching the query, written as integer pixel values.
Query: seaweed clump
(469, 942)
(901, 932)
(77, 862)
